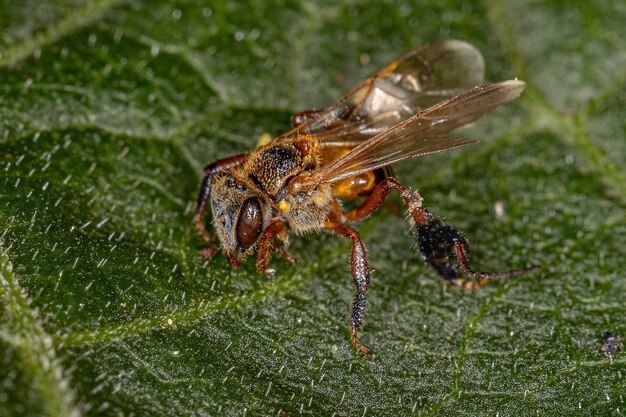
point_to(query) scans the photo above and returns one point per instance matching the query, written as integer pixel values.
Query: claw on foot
(285, 254)
(358, 346)
(209, 251)
(470, 285)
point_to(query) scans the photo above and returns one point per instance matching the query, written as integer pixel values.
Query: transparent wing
(421, 134)
(414, 82)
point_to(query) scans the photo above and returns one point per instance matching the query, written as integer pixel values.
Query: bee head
(239, 216)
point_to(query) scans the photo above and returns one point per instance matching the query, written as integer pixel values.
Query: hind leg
(443, 247)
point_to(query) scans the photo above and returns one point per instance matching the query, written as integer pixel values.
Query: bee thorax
(270, 167)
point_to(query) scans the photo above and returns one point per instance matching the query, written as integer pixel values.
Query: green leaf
(108, 111)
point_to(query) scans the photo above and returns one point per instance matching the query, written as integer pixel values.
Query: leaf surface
(109, 110)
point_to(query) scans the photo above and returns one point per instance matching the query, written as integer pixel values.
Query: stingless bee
(344, 152)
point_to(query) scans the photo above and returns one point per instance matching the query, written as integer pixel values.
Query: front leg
(266, 244)
(361, 277)
(205, 195)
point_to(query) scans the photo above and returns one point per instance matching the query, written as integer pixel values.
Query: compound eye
(249, 223)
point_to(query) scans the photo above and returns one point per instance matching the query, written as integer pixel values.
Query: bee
(299, 180)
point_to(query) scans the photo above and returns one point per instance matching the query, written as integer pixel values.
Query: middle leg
(266, 245)
(361, 277)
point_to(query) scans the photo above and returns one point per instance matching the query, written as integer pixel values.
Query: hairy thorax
(271, 168)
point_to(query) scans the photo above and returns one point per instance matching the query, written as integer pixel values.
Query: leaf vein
(27, 335)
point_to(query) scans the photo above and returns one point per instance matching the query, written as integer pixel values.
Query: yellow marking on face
(283, 206)
(264, 139)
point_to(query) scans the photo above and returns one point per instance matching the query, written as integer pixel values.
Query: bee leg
(361, 277)
(303, 117)
(445, 249)
(281, 249)
(483, 278)
(205, 195)
(379, 196)
(266, 244)
(286, 254)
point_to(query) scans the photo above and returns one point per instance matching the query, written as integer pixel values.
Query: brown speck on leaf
(612, 344)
